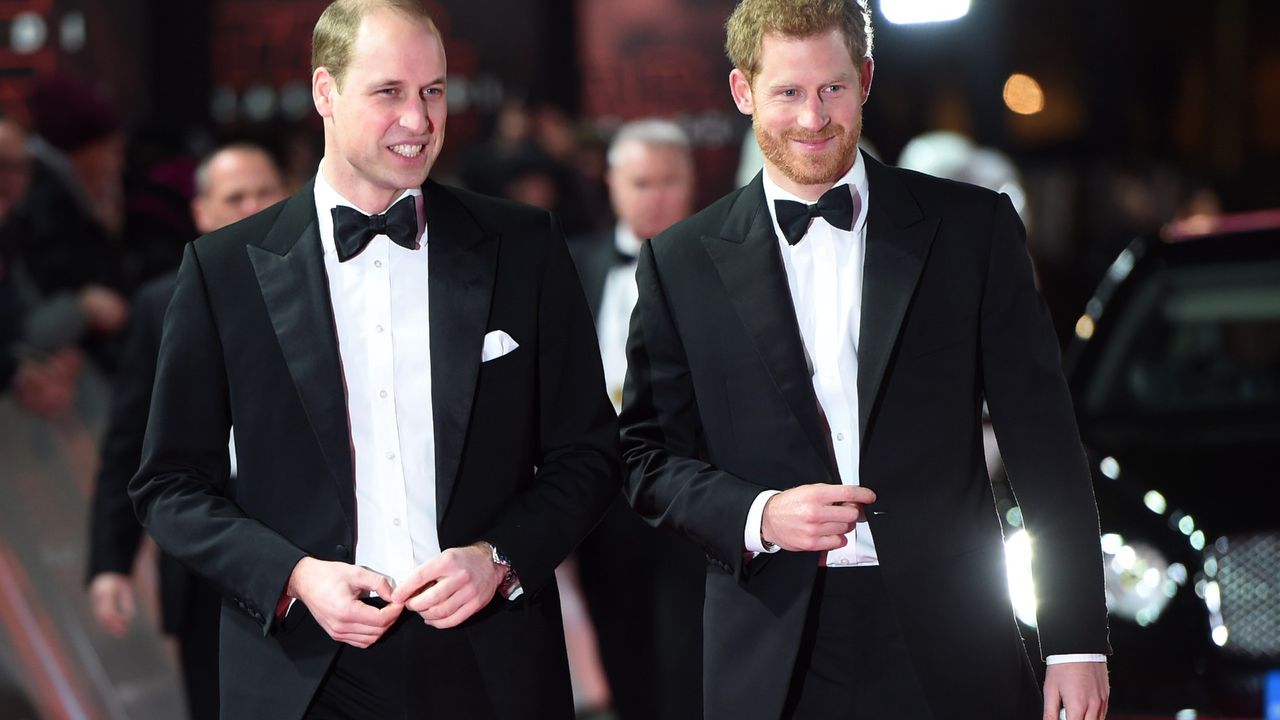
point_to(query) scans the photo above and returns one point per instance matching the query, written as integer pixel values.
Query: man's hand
(104, 310)
(331, 591)
(451, 587)
(813, 517)
(1081, 687)
(111, 600)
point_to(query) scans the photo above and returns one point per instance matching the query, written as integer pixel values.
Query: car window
(1191, 339)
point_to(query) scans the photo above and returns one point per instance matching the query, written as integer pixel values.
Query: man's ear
(198, 214)
(740, 88)
(323, 88)
(864, 77)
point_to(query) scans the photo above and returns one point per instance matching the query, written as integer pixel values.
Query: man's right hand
(111, 600)
(331, 591)
(813, 517)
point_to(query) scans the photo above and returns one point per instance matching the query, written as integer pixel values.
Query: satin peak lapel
(290, 270)
(461, 267)
(749, 262)
(899, 236)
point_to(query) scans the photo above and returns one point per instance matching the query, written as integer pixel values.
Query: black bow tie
(836, 206)
(352, 229)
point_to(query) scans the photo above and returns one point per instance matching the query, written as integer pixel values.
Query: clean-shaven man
(422, 432)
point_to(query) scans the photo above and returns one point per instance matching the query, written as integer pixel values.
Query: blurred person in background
(807, 364)
(231, 184)
(38, 334)
(643, 585)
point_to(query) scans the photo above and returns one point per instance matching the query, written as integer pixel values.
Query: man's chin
(825, 173)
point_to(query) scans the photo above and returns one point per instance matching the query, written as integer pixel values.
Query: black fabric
(853, 662)
(198, 649)
(642, 585)
(836, 206)
(720, 406)
(413, 671)
(352, 229)
(525, 445)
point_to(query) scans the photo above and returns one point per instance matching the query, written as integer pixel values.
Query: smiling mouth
(407, 151)
(813, 142)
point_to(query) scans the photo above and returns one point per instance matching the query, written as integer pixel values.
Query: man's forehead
(373, 46)
(249, 170)
(823, 52)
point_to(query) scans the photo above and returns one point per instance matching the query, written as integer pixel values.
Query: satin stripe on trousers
(853, 662)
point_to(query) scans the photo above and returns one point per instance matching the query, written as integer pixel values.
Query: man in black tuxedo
(643, 586)
(232, 183)
(421, 427)
(807, 362)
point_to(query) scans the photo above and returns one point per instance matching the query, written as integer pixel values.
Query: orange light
(1023, 95)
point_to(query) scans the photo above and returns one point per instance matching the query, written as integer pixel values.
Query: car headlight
(1140, 580)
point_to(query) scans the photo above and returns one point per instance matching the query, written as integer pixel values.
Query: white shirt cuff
(751, 534)
(1077, 657)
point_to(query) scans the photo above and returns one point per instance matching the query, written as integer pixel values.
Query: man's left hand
(451, 587)
(1080, 687)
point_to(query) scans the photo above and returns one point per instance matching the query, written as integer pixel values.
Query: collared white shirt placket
(824, 274)
(381, 315)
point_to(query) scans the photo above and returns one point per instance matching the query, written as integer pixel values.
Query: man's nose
(813, 116)
(414, 118)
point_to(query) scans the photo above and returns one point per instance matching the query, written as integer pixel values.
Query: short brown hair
(750, 21)
(335, 31)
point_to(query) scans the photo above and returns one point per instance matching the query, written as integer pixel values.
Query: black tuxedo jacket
(526, 444)
(720, 406)
(594, 256)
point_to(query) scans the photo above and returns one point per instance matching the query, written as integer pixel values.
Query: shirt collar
(855, 177)
(625, 240)
(327, 199)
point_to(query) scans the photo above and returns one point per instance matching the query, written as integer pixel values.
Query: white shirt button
(840, 437)
(382, 393)
(391, 456)
(378, 328)
(377, 263)
(395, 521)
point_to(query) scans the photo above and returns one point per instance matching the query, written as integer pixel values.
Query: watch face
(497, 556)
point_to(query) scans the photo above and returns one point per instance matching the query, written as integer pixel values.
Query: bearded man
(808, 362)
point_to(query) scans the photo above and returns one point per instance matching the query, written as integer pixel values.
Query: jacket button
(341, 550)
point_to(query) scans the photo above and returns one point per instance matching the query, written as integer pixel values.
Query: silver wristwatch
(509, 588)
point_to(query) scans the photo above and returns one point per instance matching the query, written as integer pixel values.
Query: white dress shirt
(824, 273)
(617, 300)
(381, 314)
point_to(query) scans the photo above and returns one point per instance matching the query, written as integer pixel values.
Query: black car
(1175, 373)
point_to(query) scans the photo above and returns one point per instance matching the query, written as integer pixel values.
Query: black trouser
(413, 671)
(853, 662)
(198, 648)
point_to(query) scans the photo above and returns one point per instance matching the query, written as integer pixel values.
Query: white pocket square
(497, 344)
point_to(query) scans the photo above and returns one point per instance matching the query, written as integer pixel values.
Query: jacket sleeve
(180, 491)
(1032, 415)
(662, 441)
